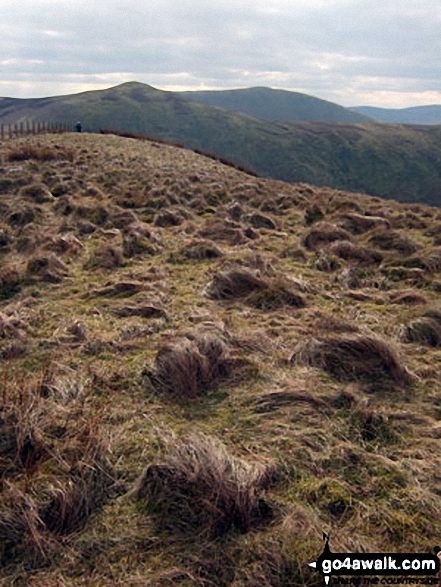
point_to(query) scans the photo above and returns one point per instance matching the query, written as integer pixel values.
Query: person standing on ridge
(79, 126)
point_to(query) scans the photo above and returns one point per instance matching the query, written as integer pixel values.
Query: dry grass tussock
(357, 253)
(425, 330)
(407, 297)
(39, 152)
(236, 282)
(391, 239)
(225, 231)
(360, 223)
(46, 267)
(188, 367)
(242, 283)
(354, 357)
(198, 250)
(322, 234)
(11, 279)
(53, 460)
(197, 486)
(105, 256)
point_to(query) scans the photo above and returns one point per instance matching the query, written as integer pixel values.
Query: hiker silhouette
(79, 126)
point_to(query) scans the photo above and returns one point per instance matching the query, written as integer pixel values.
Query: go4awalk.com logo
(412, 569)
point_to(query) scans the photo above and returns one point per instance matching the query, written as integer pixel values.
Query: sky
(354, 52)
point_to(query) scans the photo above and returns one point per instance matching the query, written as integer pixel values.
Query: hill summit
(201, 370)
(278, 105)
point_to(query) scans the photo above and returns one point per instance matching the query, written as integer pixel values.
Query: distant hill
(416, 115)
(275, 105)
(401, 162)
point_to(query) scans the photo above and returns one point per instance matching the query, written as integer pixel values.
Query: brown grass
(11, 279)
(223, 230)
(38, 152)
(360, 223)
(361, 255)
(234, 283)
(354, 357)
(198, 250)
(44, 431)
(322, 234)
(278, 294)
(105, 256)
(425, 330)
(46, 267)
(408, 297)
(198, 486)
(189, 367)
(391, 239)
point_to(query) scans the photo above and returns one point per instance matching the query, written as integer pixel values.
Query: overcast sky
(354, 52)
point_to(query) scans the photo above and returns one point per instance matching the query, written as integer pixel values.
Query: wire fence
(32, 127)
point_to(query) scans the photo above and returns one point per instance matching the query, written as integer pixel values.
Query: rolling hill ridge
(415, 115)
(401, 162)
(278, 105)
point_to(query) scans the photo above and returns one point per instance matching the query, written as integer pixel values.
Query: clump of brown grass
(360, 223)
(22, 531)
(11, 279)
(23, 215)
(313, 214)
(258, 220)
(322, 234)
(278, 294)
(362, 357)
(430, 261)
(38, 152)
(223, 230)
(187, 367)
(196, 485)
(391, 239)
(53, 460)
(105, 256)
(61, 244)
(198, 250)
(236, 282)
(408, 297)
(46, 267)
(168, 218)
(37, 192)
(350, 252)
(424, 330)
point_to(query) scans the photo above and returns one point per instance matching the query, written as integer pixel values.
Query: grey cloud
(317, 45)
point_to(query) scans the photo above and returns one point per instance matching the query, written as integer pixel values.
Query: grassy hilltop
(202, 371)
(269, 104)
(393, 161)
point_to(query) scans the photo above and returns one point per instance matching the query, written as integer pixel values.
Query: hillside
(202, 371)
(277, 105)
(399, 162)
(416, 115)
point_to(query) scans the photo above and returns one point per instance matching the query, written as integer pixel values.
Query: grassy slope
(269, 104)
(357, 457)
(415, 115)
(389, 161)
